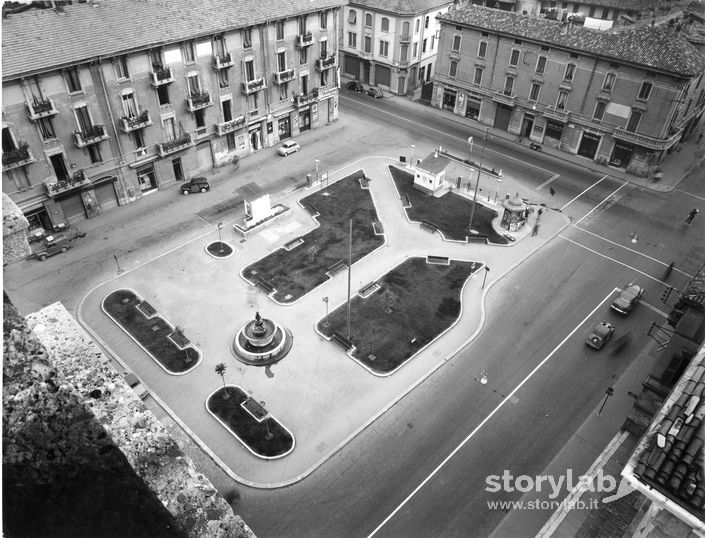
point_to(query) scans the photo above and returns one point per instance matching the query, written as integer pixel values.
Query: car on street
(290, 146)
(374, 92)
(50, 246)
(197, 184)
(627, 299)
(599, 335)
(355, 85)
(135, 384)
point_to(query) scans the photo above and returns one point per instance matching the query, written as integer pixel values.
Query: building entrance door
(588, 145)
(502, 117)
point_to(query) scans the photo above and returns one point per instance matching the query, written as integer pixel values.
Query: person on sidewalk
(691, 216)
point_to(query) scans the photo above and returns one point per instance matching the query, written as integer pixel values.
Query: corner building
(106, 102)
(623, 98)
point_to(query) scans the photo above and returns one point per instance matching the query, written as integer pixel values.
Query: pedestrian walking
(668, 271)
(552, 190)
(535, 231)
(691, 216)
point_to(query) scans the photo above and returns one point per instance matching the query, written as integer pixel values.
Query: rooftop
(45, 39)
(401, 7)
(434, 163)
(648, 46)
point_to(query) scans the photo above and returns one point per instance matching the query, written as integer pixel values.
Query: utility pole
(349, 274)
(477, 184)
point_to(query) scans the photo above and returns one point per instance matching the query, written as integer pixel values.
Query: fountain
(261, 341)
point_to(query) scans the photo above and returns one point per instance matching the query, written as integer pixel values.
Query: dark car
(627, 299)
(599, 335)
(355, 85)
(374, 92)
(50, 246)
(197, 184)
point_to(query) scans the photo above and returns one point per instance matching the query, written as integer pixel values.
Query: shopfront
(589, 144)
(305, 120)
(255, 134)
(449, 97)
(472, 110)
(621, 154)
(502, 117)
(284, 127)
(147, 179)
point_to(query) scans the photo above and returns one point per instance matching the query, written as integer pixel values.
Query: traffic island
(250, 422)
(396, 316)
(165, 343)
(449, 213)
(219, 249)
(305, 263)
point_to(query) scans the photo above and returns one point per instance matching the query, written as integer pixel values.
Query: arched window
(352, 16)
(368, 20)
(405, 29)
(385, 24)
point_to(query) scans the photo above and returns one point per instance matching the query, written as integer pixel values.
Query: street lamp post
(325, 321)
(317, 176)
(484, 278)
(411, 158)
(470, 143)
(266, 422)
(220, 241)
(477, 184)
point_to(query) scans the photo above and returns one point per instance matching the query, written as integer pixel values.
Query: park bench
(477, 238)
(337, 266)
(341, 341)
(312, 209)
(265, 285)
(441, 260)
(147, 309)
(406, 199)
(428, 225)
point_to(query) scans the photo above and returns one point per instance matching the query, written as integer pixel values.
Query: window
(416, 26)
(541, 65)
(562, 100)
(645, 90)
(194, 86)
(247, 38)
(163, 94)
(138, 139)
(599, 110)
(453, 68)
(591, 12)
(281, 61)
(416, 50)
(433, 41)
(508, 85)
(569, 72)
(219, 47)
(230, 137)
(608, 83)
(352, 40)
(633, 122)
(324, 48)
(477, 79)
(425, 22)
(46, 128)
(227, 109)
(404, 53)
(517, 41)
(189, 53)
(368, 20)
(252, 103)
(222, 76)
(302, 25)
(280, 30)
(83, 119)
(514, 58)
(19, 177)
(482, 49)
(456, 43)
(352, 16)
(169, 125)
(121, 71)
(303, 55)
(324, 77)
(94, 153)
(200, 117)
(304, 84)
(324, 20)
(8, 143)
(384, 48)
(423, 46)
(249, 70)
(385, 24)
(72, 80)
(129, 107)
(368, 44)
(534, 93)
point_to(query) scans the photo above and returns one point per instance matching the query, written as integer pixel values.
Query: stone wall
(72, 426)
(15, 230)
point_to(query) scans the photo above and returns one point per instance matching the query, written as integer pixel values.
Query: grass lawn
(415, 303)
(150, 333)
(240, 422)
(293, 273)
(219, 249)
(450, 212)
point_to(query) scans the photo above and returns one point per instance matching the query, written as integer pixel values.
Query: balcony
(305, 99)
(325, 63)
(230, 126)
(365, 54)
(405, 38)
(304, 40)
(133, 123)
(553, 113)
(403, 64)
(252, 86)
(504, 98)
(41, 108)
(162, 75)
(92, 135)
(281, 77)
(648, 142)
(17, 157)
(172, 146)
(78, 180)
(222, 62)
(198, 100)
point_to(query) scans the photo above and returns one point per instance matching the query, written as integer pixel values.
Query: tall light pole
(484, 278)
(349, 275)
(325, 321)
(220, 241)
(470, 143)
(477, 184)
(411, 159)
(317, 163)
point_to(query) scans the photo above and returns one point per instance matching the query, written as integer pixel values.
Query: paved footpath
(323, 396)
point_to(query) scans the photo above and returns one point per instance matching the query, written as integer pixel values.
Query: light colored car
(627, 299)
(290, 146)
(374, 92)
(135, 384)
(599, 334)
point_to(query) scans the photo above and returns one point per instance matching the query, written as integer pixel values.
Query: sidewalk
(324, 397)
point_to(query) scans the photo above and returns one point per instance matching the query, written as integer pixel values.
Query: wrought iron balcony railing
(17, 157)
(78, 180)
(132, 123)
(172, 146)
(230, 126)
(222, 62)
(304, 40)
(281, 77)
(41, 108)
(198, 100)
(162, 75)
(252, 86)
(92, 135)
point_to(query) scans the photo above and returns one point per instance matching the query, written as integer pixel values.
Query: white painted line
(487, 418)
(691, 194)
(549, 180)
(579, 195)
(598, 205)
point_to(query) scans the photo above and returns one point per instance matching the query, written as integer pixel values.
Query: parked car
(50, 246)
(197, 184)
(355, 85)
(135, 384)
(600, 334)
(374, 92)
(290, 146)
(627, 299)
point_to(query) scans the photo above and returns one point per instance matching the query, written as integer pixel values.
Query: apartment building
(390, 44)
(623, 97)
(106, 102)
(598, 9)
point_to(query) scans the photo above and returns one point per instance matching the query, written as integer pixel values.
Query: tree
(220, 369)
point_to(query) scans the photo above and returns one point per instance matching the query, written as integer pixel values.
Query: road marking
(598, 205)
(691, 194)
(579, 195)
(654, 309)
(549, 180)
(487, 418)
